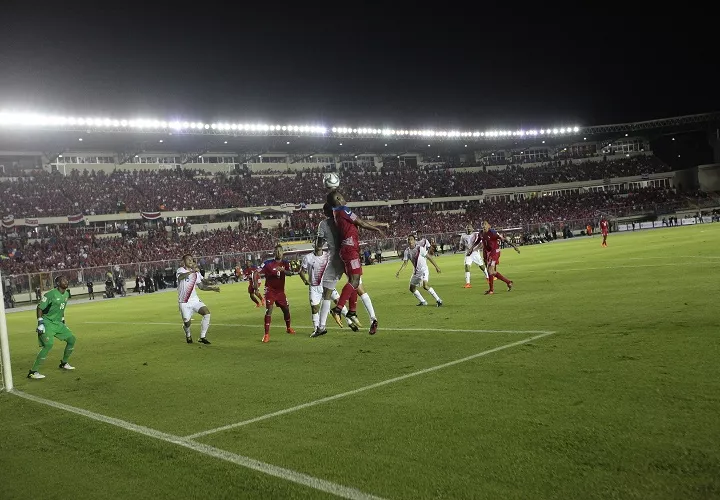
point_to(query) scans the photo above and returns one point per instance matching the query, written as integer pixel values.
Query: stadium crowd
(68, 248)
(92, 193)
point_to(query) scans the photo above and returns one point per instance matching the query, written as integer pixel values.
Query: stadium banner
(8, 221)
(74, 219)
(32, 222)
(150, 215)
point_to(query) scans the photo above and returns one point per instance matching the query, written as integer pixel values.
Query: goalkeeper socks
(204, 326)
(467, 277)
(368, 305)
(315, 319)
(69, 348)
(419, 296)
(431, 291)
(268, 320)
(324, 311)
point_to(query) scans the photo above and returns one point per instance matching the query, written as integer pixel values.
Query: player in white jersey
(419, 256)
(472, 241)
(189, 280)
(312, 271)
(328, 233)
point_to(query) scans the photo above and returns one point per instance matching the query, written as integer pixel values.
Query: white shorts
(333, 272)
(315, 293)
(187, 309)
(474, 258)
(417, 278)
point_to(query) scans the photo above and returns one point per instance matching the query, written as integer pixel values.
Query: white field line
(365, 388)
(249, 463)
(178, 323)
(607, 267)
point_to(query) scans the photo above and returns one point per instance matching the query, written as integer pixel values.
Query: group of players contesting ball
(320, 271)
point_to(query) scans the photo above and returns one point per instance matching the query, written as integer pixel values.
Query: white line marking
(365, 388)
(282, 326)
(606, 267)
(272, 470)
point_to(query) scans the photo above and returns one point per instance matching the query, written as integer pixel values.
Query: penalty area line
(524, 332)
(243, 461)
(366, 388)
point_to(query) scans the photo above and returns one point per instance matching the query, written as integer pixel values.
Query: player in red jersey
(604, 229)
(348, 223)
(490, 240)
(252, 275)
(275, 271)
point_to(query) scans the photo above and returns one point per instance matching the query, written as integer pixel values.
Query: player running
(490, 240)
(51, 324)
(252, 275)
(275, 271)
(604, 229)
(189, 280)
(347, 224)
(471, 241)
(419, 255)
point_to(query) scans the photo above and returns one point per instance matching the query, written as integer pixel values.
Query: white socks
(204, 326)
(335, 295)
(315, 319)
(323, 314)
(419, 296)
(484, 270)
(368, 305)
(467, 276)
(431, 291)
(186, 329)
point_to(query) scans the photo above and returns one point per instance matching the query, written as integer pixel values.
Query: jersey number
(62, 306)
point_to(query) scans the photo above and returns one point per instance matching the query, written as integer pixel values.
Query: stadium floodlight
(576, 129)
(554, 131)
(207, 126)
(213, 126)
(334, 129)
(562, 130)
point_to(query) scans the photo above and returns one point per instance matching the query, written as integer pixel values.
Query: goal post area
(6, 380)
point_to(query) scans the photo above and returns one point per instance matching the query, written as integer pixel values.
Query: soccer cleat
(373, 327)
(259, 304)
(421, 304)
(35, 375)
(203, 340)
(489, 292)
(336, 313)
(266, 337)
(353, 326)
(290, 331)
(189, 340)
(467, 285)
(66, 366)
(318, 332)
(439, 303)
(352, 315)
(510, 286)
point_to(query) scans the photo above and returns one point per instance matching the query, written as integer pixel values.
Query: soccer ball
(331, 181)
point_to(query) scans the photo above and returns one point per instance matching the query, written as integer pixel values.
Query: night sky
(436, 64)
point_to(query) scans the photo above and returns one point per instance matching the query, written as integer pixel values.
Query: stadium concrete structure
(54, 143)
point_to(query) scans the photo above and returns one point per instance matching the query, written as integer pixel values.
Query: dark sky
(436, 64)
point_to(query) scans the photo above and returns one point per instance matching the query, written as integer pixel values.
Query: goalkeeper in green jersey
(51, 324)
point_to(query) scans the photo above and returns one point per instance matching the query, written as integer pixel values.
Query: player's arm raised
(372, 226)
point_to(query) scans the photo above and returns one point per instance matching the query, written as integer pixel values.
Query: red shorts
(351, 259)
(251, 289)
(604, 233)
(277, 298)
(493, 259)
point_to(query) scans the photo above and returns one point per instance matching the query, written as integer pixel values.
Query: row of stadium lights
(22, 119)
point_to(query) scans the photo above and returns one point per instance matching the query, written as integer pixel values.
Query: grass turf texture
(621, 402)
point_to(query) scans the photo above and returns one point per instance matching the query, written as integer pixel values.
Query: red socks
(502, 278)
(346, 293)
(352, 303)
(268, 319)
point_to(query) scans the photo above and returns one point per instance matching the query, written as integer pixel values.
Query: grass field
(622, 400)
